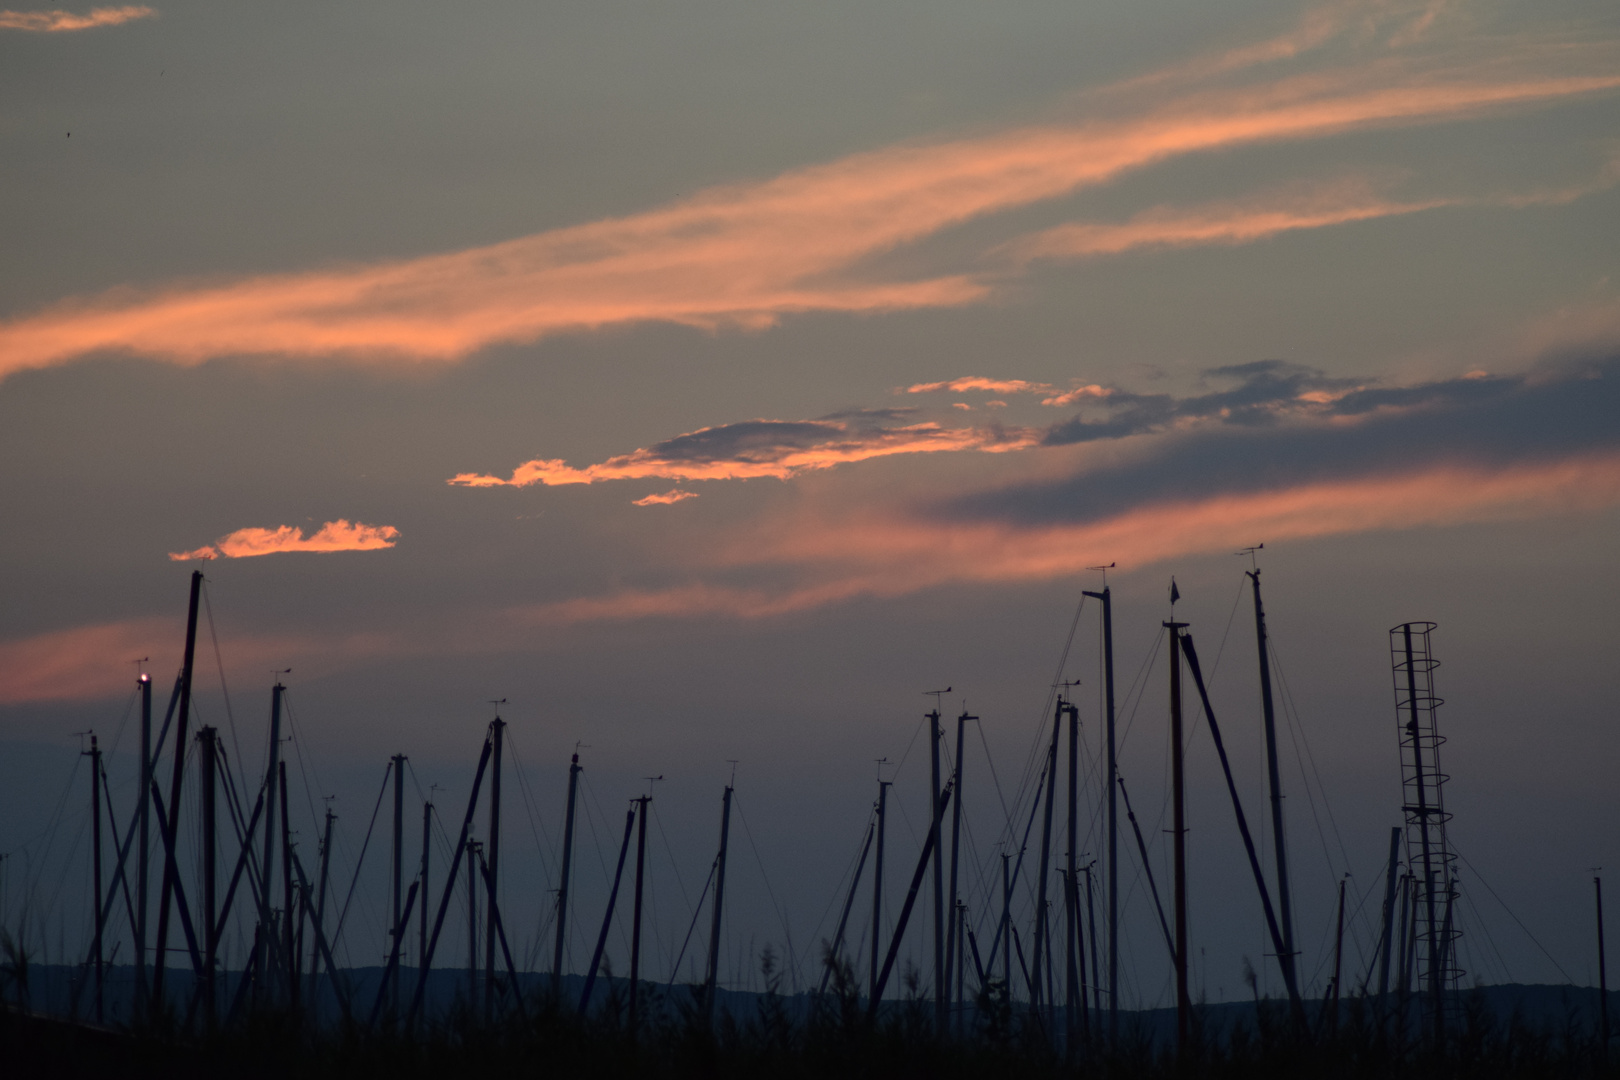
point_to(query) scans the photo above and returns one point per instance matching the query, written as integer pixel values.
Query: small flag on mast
(1175, 593)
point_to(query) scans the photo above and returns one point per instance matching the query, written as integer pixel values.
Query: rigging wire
(787, 931)
(344, 913)
(1475, 871)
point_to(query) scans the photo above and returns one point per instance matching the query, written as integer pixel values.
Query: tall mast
(877, 887)
(144, 802)
(492, 862)
(1338, 965)
(941, 972)
(607, 917)
(1074, 968)
(171, 871)
(263, 966)
(399, 873)
(320, 903)
(473, 848)
(422, 933)
(1389, 914)
(1279, 839)
(1036, 994)
(95, 867)
(1603, 979)
(635, 923)
(290, 956)
(1107, 598)
(712, 977)
(953, 946)
(562, 889)
(210, 912)
(1179, 831)
(1006, 926)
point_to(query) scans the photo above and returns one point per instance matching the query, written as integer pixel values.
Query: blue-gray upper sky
(709, 380)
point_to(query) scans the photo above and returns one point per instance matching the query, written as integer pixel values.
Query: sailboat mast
(493, 847)
(210, 765)
(171, 870)
(422, 931)
(877, 889)
(95, 866)
(712, 978)
(144, 801)
(941, 973)
(953, 946)
(1074, 997)
(567, 867)
(1107, 598)
(262, 960)
(635, 923)
(1279, 839)
(1037, 996)
(399, 874)
(1179, 834)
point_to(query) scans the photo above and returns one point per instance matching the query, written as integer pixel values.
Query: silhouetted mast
(941, 972)
(953, 945)
(567, 868)
(607, 917)
(210, 908)
(877, 884)
(399, 874)
(1279, 839)
(1106, 596)
(1037, 995)
(171, 870)
(1389, 914)
(262, 959)
(95, 868)
(711, 979)
(422, 933)
(1178, 829)
(635, 923)
(493, 848)
(144, 801)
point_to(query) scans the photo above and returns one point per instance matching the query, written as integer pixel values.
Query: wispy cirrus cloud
(1322, 205)
(778, 449)
(1357, 458)
(339, 535)
(744, 255)
(883, 555)
(58, 21)
(667, 498)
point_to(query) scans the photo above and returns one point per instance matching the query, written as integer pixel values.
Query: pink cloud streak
(58, 21)
(803, 446)
(337, 535)
(741, 255)
(869, 554)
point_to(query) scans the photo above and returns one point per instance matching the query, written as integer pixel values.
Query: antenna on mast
(1104, 571)
(1249, 551)
(936, 695)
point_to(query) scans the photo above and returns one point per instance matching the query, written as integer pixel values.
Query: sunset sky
(710, 381)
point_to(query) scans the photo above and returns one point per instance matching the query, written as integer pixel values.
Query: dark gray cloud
(1490, 421)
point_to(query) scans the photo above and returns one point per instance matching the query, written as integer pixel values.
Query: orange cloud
(665, 499)
(1243, 222)
(778, 449)
(970, 383)
(337, 535)
(1230, 223)
(58, 21)
(90, 662)
(870, 554)
(81, 663)
(744, 255)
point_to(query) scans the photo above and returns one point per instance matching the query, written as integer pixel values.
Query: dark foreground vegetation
(836, 1038)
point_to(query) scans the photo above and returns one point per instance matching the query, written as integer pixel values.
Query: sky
(711, 381)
